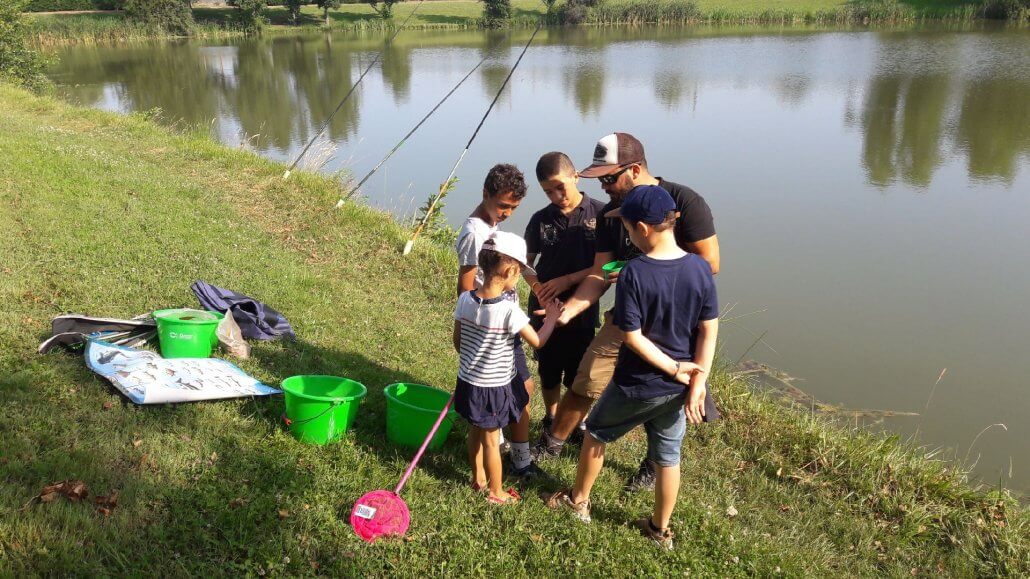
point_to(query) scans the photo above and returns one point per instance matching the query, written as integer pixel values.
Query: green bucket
(186, 333)
(613, 267)
(319, 409)
(411, 410)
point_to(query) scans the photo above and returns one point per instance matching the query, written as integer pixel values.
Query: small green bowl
(613, 267)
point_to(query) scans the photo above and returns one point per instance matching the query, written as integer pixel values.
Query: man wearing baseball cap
(620, 165)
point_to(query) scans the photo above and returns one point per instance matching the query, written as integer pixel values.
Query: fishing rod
(325, 125)
(445, 185)
(405, 138)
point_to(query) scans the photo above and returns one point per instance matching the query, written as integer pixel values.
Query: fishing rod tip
(286, 175)
(408, 246)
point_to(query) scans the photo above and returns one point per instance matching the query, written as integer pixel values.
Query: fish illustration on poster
(147, 378)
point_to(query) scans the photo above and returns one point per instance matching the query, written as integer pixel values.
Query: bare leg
(591, 459)
(492, 463)
(666, 488)
(475, 450)
(572, 409)
(551, 398)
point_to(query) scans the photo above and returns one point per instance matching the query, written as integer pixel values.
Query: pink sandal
(513, 497)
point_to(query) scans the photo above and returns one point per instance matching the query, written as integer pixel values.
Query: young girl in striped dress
(485, 326)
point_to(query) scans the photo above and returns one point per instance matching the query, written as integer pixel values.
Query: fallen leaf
(108, 405)
(74, 489)
(536, 537)
(283, 513)
(784, 508)
(136, 443)
(731, 511)
(237, 502)
(108, 502)
(314, 565)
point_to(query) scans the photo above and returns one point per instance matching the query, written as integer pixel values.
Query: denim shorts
(663, 418)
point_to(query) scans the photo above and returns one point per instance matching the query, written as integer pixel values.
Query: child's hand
(687, 371)
(695, 404)
(553, 310)
(613, 277)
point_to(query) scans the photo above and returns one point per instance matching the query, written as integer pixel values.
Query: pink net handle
(425, 444)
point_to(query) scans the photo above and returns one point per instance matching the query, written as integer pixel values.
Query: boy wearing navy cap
(666, 305)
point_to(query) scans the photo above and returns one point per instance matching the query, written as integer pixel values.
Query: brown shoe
(563, 500)
(660, 537)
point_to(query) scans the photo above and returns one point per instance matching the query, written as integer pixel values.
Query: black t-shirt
(566, 244)
(695, 223)
(665, 300)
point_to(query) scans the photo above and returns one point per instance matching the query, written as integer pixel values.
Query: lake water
(871, 188)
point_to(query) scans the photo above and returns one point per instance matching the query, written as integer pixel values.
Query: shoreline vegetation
(49, 29)
(219, 487)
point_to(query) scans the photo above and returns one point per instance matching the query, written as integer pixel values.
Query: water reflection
(921, 100)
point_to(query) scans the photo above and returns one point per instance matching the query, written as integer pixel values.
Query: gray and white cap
(613, 152)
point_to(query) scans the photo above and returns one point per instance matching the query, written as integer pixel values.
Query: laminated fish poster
(147, 378)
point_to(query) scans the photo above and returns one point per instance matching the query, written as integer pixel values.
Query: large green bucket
(319, 409)
(411, 410)
(186, 333)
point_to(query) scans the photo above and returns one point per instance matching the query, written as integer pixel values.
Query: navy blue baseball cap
(647, 203)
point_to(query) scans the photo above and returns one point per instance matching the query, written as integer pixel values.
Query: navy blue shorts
(558, 360)
(521, 367)
(489, 408)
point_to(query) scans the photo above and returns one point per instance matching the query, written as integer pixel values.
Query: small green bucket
(186, 333)
(411, 410)
(319, 409)
(613, 267)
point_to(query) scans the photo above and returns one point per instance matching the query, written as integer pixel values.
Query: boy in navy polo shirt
(666, 304)
(564, 236)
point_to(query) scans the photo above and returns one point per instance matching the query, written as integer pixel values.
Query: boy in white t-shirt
(503, 191)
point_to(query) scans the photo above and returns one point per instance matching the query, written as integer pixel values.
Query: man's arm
(707, 248)
(466, 278)
(590, 289)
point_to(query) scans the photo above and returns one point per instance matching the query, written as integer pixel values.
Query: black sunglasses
(611, 179)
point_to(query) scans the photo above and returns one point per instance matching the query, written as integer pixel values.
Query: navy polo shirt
(695, 223)
(565, 244)
(666, 299)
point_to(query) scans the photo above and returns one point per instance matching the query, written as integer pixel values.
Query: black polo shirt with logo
(695, 223)
(566, 244)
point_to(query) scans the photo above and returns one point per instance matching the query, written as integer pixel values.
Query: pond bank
(102, 213)
(66, 28)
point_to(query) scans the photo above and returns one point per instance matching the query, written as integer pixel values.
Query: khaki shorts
(598, 364)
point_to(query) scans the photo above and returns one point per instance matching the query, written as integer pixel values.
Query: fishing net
(380, 513)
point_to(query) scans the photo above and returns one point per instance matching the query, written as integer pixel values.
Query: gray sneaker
(660, 537)
(644, 478)
(547, 447)
(562, 500)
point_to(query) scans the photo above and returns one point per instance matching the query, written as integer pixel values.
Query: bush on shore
(62, 5)
(19, 64)
(169, 16)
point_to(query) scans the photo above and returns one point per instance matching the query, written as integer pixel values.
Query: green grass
(115, 216)
(49, 29)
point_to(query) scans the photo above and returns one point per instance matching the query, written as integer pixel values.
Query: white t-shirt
(487, 342)
(471, 237)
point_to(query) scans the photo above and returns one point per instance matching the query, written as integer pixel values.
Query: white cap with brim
(511, 245)
(613, 152)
